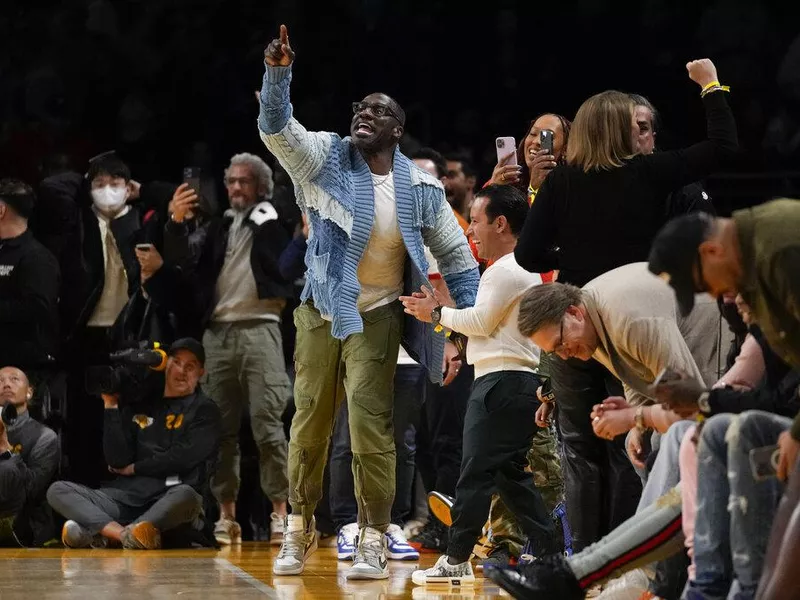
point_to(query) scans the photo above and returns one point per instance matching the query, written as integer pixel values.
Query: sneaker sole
(350, 576)
(402, 555)
(469, 580)
(146, 535)
(297, 570)
(441, 507)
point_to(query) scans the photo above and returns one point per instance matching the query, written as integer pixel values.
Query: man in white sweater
(500, 419)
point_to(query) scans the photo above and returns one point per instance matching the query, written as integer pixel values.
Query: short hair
(640, 100)
(108, 164)
(435, 157)
(508, 201)
(17, 195)
(546, 304)
(259, 168)
(601, 133)
(466, 162)
(397, 109)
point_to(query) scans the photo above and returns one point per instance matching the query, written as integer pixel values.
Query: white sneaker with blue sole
(346, 542)
(397, 546)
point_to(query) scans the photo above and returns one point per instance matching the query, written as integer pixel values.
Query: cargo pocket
(311, 347)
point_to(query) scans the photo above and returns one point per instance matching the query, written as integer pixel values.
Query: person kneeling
(159, 451)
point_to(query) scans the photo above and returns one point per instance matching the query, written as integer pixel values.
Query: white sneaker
(299, 543)
(370, 560)
(228, 532)
(277, 526)
(444, 572)
(346, 542)
(397, 546)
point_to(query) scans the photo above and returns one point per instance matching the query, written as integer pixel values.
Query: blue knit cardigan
(333, 187)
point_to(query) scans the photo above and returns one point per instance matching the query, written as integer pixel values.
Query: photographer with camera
(160, 451)
(29, 458)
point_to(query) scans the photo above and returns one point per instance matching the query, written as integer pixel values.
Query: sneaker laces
(396, 535)
(294, 543)
(369, 553)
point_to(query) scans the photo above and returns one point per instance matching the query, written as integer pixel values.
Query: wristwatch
(703, 404)
(638, 419)
(436, 315)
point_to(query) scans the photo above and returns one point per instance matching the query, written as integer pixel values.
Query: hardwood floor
(244, 572)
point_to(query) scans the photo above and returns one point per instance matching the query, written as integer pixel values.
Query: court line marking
(241, 573)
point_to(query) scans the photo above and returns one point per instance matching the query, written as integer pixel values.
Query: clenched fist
(702, 71)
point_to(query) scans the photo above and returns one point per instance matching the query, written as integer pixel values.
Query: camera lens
(501, 143)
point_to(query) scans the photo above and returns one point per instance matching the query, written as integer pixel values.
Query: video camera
(132, 366)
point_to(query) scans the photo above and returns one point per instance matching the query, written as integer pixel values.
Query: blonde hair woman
(600, 211)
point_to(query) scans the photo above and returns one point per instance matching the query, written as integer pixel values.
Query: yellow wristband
(711, 85)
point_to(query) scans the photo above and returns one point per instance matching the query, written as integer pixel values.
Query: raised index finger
(284, 35)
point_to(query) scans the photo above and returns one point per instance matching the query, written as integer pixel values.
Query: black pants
(601, 487)
(498, 429)
(440, 433)
(409, 390)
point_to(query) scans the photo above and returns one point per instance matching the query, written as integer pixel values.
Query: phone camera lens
(501, 143)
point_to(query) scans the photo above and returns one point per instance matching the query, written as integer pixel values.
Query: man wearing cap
(755, 253)
(29, 278)
(160, 451)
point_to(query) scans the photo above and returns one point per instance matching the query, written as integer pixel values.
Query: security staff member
(29, 277)
(29, 458)
(159, 451)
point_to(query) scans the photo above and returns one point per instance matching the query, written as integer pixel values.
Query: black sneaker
(498, 557)
(548, 577)
(432, 538)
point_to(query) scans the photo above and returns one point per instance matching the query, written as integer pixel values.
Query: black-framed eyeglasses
(378, 110)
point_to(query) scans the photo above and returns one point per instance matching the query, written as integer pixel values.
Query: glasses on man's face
(561, 348)
(377, 110)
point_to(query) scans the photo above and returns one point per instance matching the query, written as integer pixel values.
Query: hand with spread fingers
(421, 304)
(279, 53)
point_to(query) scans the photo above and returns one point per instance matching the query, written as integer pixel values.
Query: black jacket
(69, 227)
(169, 441)
(270, 239)
(29, 283)
(604, 219)
(39, 448)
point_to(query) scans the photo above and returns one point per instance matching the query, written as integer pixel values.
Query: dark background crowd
(170, 84)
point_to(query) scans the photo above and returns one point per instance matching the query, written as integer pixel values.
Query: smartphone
(546, 140)
(764, 462)
(191, 176)
(144, 247)
(665, 376)
(506, 146)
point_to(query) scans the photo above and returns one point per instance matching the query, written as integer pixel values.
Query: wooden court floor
(244, 572)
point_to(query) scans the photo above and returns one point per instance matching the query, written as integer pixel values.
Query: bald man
(29, 458)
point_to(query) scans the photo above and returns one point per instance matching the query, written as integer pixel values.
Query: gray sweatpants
(94, 509)
(245, 370)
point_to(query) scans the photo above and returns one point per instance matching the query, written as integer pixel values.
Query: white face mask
(110, 200)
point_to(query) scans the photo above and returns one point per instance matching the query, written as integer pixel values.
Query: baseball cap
(674, 254)
(190, 344)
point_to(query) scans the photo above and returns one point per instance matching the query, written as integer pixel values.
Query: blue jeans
(734, 511)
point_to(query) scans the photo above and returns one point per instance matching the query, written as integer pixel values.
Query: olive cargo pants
(361, 369)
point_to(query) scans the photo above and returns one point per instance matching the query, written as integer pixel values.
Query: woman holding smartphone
(597, 212)
(542, 149)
